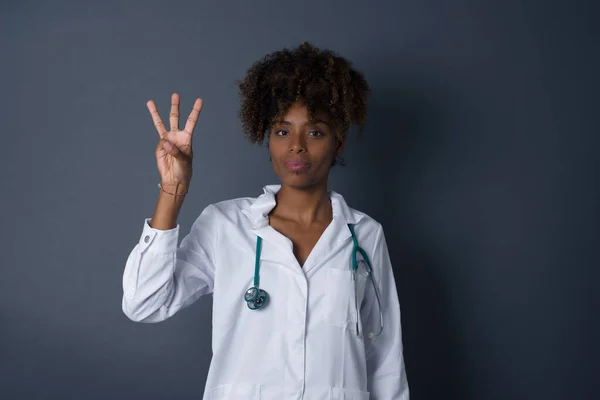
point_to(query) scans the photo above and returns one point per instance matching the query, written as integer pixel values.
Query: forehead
(298, 113)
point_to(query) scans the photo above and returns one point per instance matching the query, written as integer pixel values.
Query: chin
(300, 182)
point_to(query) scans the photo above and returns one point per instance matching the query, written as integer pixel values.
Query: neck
(304, 206)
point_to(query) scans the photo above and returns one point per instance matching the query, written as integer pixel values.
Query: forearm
(168, 207)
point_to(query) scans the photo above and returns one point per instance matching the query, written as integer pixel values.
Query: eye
(281, 132)
(316, 133)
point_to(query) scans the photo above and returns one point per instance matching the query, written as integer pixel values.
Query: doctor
(298, 312)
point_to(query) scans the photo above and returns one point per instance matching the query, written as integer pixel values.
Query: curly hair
(319, 79)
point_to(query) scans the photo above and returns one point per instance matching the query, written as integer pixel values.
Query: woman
(289, 304)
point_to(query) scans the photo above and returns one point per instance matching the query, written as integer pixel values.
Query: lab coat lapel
(335, 236)
(258, 212)
(279, 241)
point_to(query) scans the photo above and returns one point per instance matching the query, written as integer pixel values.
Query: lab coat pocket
(341, 302)
(234, 391)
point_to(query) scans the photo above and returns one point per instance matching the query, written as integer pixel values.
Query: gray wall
(479, 158)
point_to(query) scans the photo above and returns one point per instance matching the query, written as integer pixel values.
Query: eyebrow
(314, 122)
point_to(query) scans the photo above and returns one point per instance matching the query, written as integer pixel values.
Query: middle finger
(174, 115)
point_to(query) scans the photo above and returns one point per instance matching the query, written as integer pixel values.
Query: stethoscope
(256, 298)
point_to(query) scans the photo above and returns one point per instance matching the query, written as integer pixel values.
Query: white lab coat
(303, 344)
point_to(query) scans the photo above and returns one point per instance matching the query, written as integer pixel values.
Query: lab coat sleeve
(161, 278)
(386, 374)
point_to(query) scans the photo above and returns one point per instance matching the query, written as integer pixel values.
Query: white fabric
(303, 344)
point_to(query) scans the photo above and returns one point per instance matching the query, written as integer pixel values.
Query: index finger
(193, 118)
(160, 126)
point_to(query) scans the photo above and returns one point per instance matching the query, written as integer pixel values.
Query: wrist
(174, 189)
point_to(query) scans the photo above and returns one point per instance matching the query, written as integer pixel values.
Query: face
(302, 150)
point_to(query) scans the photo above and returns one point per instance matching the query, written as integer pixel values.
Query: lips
(296, 165)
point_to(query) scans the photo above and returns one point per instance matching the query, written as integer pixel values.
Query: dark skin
(303, 210)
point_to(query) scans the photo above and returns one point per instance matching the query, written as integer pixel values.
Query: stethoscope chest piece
(255, 298)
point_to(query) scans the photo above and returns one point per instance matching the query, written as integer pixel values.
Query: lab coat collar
(334, 236)
(258, 210)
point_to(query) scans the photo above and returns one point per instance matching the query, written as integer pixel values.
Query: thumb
(172, 150)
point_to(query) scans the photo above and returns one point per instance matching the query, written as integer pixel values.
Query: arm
(160, 278)
(386, 374)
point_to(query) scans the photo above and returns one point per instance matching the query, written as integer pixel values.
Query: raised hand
(174, 150)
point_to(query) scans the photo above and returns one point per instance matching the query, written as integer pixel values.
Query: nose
(297, 144)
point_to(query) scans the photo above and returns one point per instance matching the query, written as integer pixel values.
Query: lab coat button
(147, 239)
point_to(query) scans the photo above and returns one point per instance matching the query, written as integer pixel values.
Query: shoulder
(232, 206)
(228, 209)
(364, 224)
(366, 220)
(225, 212)
(367, 227)
(370, 235)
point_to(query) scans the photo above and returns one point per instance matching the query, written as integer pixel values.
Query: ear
(339, 149)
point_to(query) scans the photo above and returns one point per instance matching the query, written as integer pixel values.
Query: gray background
(479, 158)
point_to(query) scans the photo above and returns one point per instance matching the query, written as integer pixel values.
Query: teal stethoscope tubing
(354, 267)
(256, 297)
